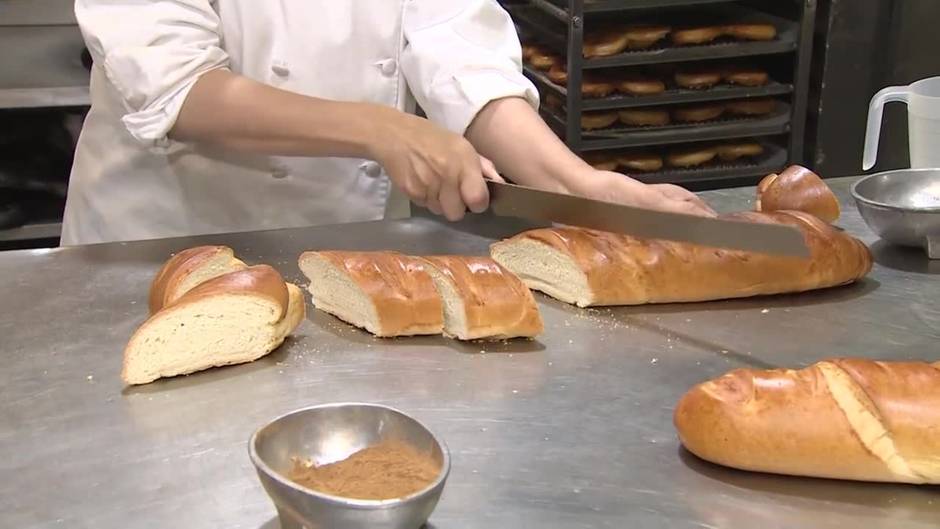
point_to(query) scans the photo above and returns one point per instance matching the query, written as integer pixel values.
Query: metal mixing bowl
(902, 207)
(332, 432)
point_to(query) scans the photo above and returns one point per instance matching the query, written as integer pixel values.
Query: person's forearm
(511, 134)
(234, 112)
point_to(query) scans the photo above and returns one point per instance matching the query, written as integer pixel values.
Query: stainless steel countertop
(573, 430)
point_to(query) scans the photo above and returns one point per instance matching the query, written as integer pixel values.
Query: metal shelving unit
(46, 68)
(41, 67)
(612, 138)
(672, 95)
(560, 25)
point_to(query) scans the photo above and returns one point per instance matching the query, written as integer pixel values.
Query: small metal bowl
(332, 432)
(902, 207)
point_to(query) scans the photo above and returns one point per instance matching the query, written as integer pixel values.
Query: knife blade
(510, 200)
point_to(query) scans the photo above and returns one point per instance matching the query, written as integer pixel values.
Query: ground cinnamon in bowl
(390, 469)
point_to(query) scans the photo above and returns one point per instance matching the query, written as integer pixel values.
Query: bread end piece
(797, 189)
(231, 319)
(188, 269)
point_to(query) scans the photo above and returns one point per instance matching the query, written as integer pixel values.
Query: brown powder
(390, 469)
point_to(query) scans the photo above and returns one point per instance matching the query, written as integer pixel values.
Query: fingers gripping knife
(510, 200)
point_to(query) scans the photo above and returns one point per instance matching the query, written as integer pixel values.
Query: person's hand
(615, 187)
(436, 168)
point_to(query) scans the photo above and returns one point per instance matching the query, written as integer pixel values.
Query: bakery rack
(560, 25)
(44, 80)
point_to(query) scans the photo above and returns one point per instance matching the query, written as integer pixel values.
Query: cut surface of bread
(544, 267)
(482, 299)
(588, 267)
(189, 268)
(385, 293)
(230, 319)
(844, 418)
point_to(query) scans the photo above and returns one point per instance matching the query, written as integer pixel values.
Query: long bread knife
(510, 200)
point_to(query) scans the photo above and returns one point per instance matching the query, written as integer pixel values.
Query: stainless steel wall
(862, 46)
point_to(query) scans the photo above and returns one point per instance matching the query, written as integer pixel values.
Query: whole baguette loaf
(189, 268)
(229, 319)
(844, 418)
(797, 188)
(586, 267)
(385, 293)
(482, 299)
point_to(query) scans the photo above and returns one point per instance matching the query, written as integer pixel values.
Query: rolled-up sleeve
(459, 55)
(152, 52)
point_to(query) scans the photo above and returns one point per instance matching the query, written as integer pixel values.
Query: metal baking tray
(547, 30)
(559, 8)
(672, 95)
(777, 122)
(773, 159)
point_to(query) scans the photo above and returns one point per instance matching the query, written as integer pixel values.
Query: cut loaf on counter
(230, 319)
(588, 268)
(845, 419)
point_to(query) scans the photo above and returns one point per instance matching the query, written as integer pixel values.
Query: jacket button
(389, 67)
(280, 68)
(371, 169)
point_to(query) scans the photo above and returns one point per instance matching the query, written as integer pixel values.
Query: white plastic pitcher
(923, 122)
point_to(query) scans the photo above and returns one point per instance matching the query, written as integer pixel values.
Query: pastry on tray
(643, 117)
(640, 161)
(751, 107)
(592, 85)
(699, 35)
(730, 152)
(637, 84)
(698, 113)
(691, 156)
(600, 119)
(601, 160)
(614, 40)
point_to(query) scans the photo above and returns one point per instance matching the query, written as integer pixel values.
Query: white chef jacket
(129, 181)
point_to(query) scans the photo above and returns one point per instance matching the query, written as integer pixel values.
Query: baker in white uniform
(216, 116)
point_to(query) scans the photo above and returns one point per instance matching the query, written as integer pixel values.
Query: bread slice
(544, 267)
(482, 299)
(230, 319)
(189, 268)
(588, 267)
(385, 293)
